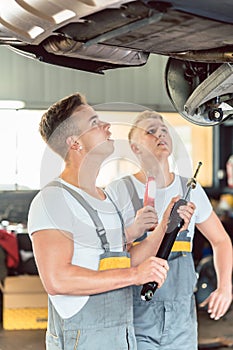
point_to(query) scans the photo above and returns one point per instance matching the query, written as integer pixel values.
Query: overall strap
(92, 212)
(121, 220)
(184, 181)
(137, 204)
(182, 244)
(135, 198)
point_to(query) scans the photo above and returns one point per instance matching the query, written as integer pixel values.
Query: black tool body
(174, 225)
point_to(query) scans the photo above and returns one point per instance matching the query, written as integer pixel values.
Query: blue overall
(106, 320)
(168, 321)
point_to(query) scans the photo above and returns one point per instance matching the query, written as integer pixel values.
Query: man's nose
(106, 125)
(160, 133)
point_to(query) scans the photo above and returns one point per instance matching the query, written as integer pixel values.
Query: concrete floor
(22, 340)
(209, 332)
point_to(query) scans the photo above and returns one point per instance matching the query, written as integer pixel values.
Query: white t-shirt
(56, 208)
(118, 191)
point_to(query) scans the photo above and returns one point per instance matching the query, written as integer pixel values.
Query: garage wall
(40, 84)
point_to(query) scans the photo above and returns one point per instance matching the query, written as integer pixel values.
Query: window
(21, 149)
(26, 163)
(191, 144)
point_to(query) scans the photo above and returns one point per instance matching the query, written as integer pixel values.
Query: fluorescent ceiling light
(63, 16)
(35, 31)
(11, 104)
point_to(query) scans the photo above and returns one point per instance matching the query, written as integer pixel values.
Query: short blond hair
(143, 116)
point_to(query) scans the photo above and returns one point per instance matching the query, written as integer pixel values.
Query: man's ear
(72, 142)
(69, 141)
(135, 148)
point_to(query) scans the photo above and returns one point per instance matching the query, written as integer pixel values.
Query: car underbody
(94, 36)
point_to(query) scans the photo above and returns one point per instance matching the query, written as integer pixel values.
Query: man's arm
(220, 300)
(53, 251)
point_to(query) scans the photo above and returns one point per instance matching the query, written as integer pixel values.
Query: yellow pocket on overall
(114, 260)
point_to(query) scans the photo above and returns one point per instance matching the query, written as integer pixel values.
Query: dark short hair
(56, 125)
(142, 116)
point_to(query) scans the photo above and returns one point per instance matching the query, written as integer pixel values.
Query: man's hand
(152, 270)
(185, 212)
(218, 303)
(145, 219)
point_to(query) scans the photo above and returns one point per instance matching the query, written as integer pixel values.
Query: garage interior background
(118, 96)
